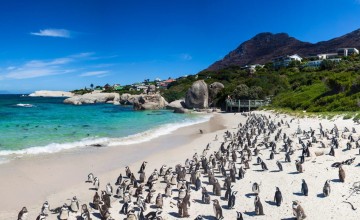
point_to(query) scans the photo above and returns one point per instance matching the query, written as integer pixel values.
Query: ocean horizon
(35, 125)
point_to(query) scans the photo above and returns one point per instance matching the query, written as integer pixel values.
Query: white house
(285, 60)
(347, 51)
(326, 56)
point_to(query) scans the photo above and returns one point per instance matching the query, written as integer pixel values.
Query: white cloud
(95, 73)
(185, 56)
(53, 33)
(42, 68)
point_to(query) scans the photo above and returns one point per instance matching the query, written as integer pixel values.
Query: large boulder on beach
(197, 95)
(92, 98)
(178, 106)
(149, 102)
(214, 89)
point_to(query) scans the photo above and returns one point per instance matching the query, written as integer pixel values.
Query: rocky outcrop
(178, 106)
(47, 93)
(197, 95)
(214, 89)
(148, 102)
(92, 98)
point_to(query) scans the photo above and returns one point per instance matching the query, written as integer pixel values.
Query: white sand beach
(31, 180)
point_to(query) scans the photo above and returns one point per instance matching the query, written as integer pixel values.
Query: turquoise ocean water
(33, 125)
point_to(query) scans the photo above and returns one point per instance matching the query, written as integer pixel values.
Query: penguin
(45, 209)
(258, 206)
(332, 151)
(279, 165)
(241, 173)
(341, 174)
(96, 183)
(64, 212)
(197, 184)
(231, 201)
(41, 216)
(239, 216)
(128, 171)
(287, 157)
(217, 188)
(142, 177)
(142, 167)
(278, 197)
(256, 188)
(96, 201)
(159, 201)
(168, 190)
(217, 209)
(263, 166)
(23, 214)
(163, 170)
(90, 178)
(74, 205)
(299, 167)
(271, 155)
(298, 211)
(109, 189)
(304, 188)
(205, 196)
(228, 192)
(119, 180)
(106, 199)
(326, 188)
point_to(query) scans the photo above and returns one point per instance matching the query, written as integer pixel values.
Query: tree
(241, 92)
(92, 86)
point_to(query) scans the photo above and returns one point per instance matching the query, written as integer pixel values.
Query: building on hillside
(326, 56)
(344, 52)
(141, 88)
(98, 88)
(118, 87)
(317, 63)
(107, 86)
(284, 61)
(164, 84)
(251, 67)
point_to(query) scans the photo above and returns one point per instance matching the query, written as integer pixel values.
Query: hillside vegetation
(331, 87)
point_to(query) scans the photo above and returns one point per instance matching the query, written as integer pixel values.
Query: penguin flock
(214, 172)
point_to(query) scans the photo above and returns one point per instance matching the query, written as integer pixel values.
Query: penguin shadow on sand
(336, 181)
(271, 203)
(253, 213)
(97, 215)
(249, 195)
(174, 214)
(320, 195)
(299, 194)
(275, 171)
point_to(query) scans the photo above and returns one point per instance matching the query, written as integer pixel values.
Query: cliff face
(265, 46)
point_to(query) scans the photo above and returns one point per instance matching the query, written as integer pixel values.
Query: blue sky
(69, 44)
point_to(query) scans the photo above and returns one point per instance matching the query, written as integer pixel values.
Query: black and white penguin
(241, 173)
(299, 167)
(142, 167)
(341, 174)
(228, 192)
(64, 212)
(256, 188)
(231, 201)
(217, 209)
(304, 188)
(258, 206)
(197, 184)
(90, 178)
(278, 197)
(74, 205)
(239, 216)
(263, 166)
(41, 217)
(23, 214)
(45, 209)
(119, 180)
(279, 165)
(326, 188)
(205, 196)
(96, 183)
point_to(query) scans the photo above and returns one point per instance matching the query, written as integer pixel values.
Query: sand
(29, 181)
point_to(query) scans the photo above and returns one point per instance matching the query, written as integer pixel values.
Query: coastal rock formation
(151, 89)
(178, 106)
(47, 93)
(148, 102)
(197, 96)
(92, 98)
(214, 89)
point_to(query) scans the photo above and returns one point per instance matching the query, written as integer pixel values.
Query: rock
(46, 93)
(214, 89)
(197, 96)
(124, 99)
(148, 102)
(178, 106)
(92, 98)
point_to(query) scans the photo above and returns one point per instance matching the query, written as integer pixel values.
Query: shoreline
(46, 177)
